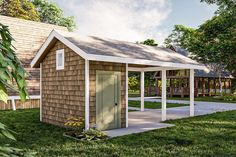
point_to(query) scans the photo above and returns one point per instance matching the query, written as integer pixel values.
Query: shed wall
(62, 90)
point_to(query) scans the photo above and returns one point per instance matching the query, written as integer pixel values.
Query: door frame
(118, 107)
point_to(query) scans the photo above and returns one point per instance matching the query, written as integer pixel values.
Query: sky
(135, 20)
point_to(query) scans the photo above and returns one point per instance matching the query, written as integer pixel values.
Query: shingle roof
(110, 47)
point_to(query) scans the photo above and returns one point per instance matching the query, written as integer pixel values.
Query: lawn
(153, 105)
(210, 135)
(206, 98)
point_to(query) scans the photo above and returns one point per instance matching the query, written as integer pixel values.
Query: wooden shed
(88, 77)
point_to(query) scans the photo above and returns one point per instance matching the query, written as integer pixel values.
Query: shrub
(93, 134)
(75, 128)
(226, 97)
(75, 124)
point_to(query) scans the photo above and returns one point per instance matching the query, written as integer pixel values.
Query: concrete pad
(150, 119)
(136, 129)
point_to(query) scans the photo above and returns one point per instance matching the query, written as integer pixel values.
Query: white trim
(127, 95)
(191, 95)
(40, 105)
(163, 95)
(60, 52)
(106, 58)
(153, 69)
(13, 104)
(29, 97)
(142, 91)
(13, 98)
(54, 34)
(143, 62)
(87, 87)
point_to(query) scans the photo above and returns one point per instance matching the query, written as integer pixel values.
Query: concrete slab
(150, 119)
(136, 129)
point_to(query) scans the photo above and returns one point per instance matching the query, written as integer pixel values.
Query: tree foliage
(133, 83)
(50, 12)
(6, 150)
(37, 10)
(12, 73)
(150, 42)
(12, 76)
(215, 40)
(23, 9)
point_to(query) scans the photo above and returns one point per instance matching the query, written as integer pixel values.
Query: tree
(12, 75)
(181, 36)
(214, 42)
(150, 42)
(133, 83)
(51, 13)
(23, 9)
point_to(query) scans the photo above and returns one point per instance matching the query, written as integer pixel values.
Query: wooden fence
(15, 103)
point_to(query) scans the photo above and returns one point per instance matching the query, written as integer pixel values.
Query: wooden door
(107, 100)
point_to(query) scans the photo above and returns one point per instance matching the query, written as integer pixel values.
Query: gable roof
(109, 50)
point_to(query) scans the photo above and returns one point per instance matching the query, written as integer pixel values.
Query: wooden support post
(191, 83)
(215, 85)
(87, 87)
(142, 90)
(13, 104)
(209, 86)
(40, 90)
(163, 95)
(127, 96)
(203, 86)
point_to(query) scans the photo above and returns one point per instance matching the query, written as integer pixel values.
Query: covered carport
(108, 55)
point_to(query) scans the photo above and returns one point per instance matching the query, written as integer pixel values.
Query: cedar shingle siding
(63, 90)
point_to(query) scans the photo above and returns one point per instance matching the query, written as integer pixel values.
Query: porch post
(126, 96)
(40, 90)
(87, 87)
(191, 83)
(142, 90)
(163, 95)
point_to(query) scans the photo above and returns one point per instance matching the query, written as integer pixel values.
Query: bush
(226, 97)
(75, 128)
(93, 134)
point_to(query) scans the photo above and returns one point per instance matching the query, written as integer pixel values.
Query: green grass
(153, 105)
(210, 135)
(206, 98)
